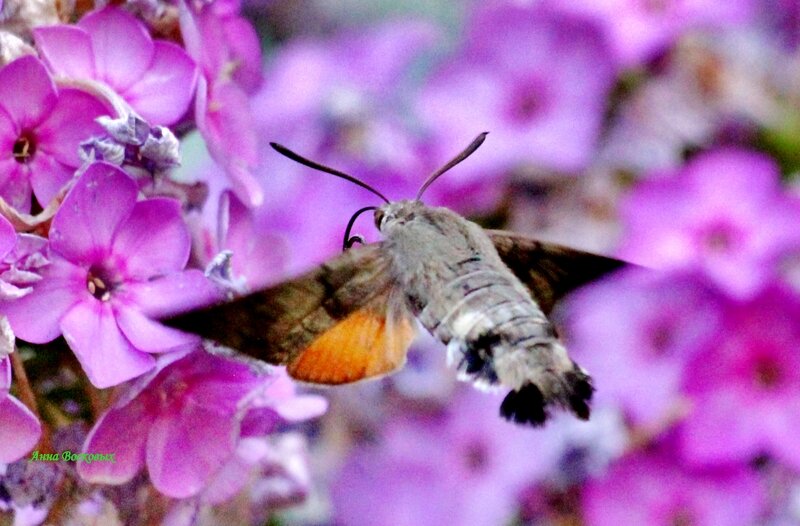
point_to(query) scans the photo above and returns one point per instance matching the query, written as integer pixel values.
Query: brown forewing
(278, 323)
(550, 271)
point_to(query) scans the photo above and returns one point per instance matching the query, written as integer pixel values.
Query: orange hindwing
(369, 342)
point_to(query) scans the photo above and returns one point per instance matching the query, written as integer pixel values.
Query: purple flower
(462, 467)
(276, 469)
(346, 113)
(156, 78)
(536, 80)
(639, 29)
(650, 487)
(635, 332)
(115, 266)
(255, 255)
(264, 475)
(8, 237)
(40, 130)
(20, 257)
(21, 264)
(183, 421)
(227, 50)
(745, 389)
(785, 17)
(19, 428)
(724, 213)
(131, 142)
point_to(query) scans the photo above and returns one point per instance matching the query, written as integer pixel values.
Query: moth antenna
(350, 241)
(469, 150)
(286, 152)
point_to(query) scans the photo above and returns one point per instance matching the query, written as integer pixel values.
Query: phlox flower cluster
(137, 182)
(96, 248)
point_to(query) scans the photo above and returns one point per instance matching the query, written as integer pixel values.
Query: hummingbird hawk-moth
(485, 294)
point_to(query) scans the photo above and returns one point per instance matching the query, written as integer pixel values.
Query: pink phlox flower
(40, 130)
(236, 55)
(652, 487)
(269, 465)
(254, 254)
(21, 267)
(640, 29)
(19, 428)
(227, 50)
(110, 46)
(745, 389)
(116, 265)
(131, 142)
(462, 466)
(21, 258)
(274, 469)
(264, 475)
(278, 404)
(183, 421)
(340, 97)
(516, 77)
(636, 333)
(724, 214)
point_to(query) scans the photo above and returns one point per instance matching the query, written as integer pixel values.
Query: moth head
(388, 214)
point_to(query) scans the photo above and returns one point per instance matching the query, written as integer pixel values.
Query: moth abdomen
(580, 391)
(525, 406)
(497, 336)
(530, 405)
(477, 359)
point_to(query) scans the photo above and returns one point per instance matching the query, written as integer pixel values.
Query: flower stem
(28, 397)
(25, 391)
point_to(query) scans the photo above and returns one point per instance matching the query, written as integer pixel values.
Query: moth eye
(378, 218)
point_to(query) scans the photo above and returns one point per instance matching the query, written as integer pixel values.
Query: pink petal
(235, 473)
(19, 430)
(84, 226)
(153, 240)
(48, 177)
(5, 375)
(9, 133)
(27, 107)
(178, 292)
(67, 50)
(8, 237)
(35, 317)
(15, 186)
(228, 122)
(745, 173)
(225, 121)
(71, 122)
(713, 423)
(187, 446)
(163, 94)
(219, 382)
(122, 47)
(245, 49)
(106, 356)
(257, 255)
(122, 431)
(148, 335)
(301, 407)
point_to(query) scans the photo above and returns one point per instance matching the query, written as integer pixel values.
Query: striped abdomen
(496, 334)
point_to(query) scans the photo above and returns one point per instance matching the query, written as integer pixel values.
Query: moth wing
(328, 315)
(550, 271)
(370, 342)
